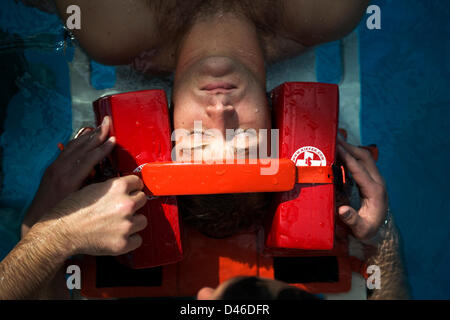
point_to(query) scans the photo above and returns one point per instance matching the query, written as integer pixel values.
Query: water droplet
(221, 172)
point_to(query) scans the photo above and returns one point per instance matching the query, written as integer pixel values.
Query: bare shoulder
(305, 23)
(113, 32)
(117, 32)
(312, 22)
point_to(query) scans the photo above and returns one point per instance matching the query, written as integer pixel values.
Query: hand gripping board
(140, 123)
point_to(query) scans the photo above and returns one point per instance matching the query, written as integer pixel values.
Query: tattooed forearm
(387, 256)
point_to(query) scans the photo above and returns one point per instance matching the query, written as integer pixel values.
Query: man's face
(212, 95)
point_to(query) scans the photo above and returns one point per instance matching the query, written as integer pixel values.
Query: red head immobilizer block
(302, 225)
(140, 123)
(306, 115)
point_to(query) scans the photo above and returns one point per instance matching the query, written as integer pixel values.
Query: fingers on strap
(98, 154)
(358, 171)
(99, 135)
(364, 157)
(133, 183)
(349, 216)
(88, 138)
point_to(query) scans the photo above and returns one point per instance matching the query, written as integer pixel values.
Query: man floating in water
(218, 51)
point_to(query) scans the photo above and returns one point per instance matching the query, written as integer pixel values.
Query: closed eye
(241, 153)
(201, 133)
(199, 147)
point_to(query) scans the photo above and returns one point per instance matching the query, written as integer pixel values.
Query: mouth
(218, 87)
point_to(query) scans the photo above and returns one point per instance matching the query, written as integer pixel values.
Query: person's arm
(368, 222)
(63, 177)
(69, 171)
(114, 32)
(386, 254)
(97, 220)
(33, 262)
(313, 22)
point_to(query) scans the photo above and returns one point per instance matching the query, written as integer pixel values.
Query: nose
(222, 116)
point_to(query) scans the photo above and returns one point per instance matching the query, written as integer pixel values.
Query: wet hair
(260, 289)
(223, 215)
(177, 16)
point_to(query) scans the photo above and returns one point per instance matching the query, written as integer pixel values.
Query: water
(35, 107)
